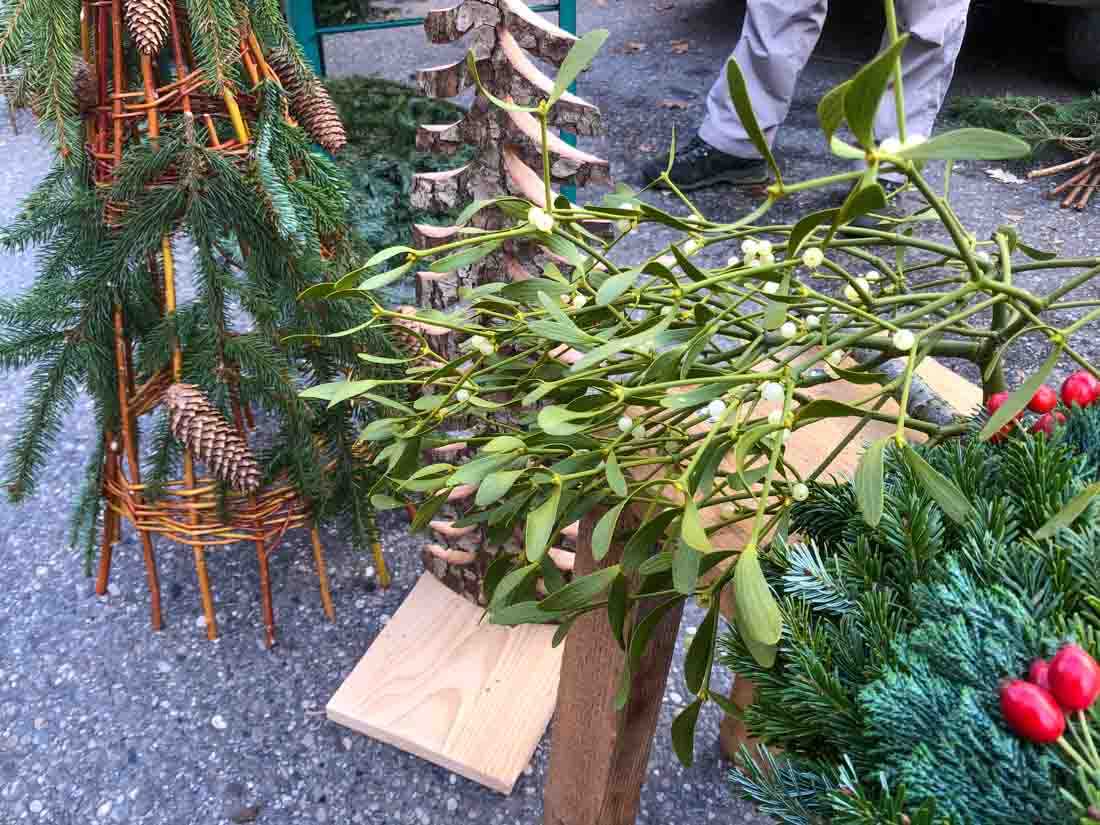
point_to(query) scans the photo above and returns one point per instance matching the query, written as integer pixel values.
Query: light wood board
(445, 686)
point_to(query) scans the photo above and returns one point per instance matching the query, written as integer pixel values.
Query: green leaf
(683, 733)
(1020, 397)
(1036, 254)
(540, 525)
(465, 257)
(527, 292)
(503, 444)
(617, 345)
(830, 109)
(552, 578)
(578, 59)
(641, 544)
(520, 613)
(946, 494)
(699, 653)
(775, 311)
(604, 531)
(969, 144)
(556, 420)
(615, 479)
(1066, 516)
(380, 501)
(643, 630)
(494, 575)
(579, 593)
(386, 254)
(693, 398)
(616, 285)
(739, 94)
(562, 631)
(513, 583)
(622, 694)
(860, 376)
(495, 485)
(862, 99)
(691, 527)
(617, 608)
(822, 408)
(660, 563)
(860, 201)
(338, 391)
(385, 278)
(806, 225)
(427, 510)
(474, 471)
(869, 483)
(757, 612)
(685, 568)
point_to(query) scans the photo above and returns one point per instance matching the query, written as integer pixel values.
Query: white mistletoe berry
(890, 146)
(772, 391)
(716, 408)
(626, 424)
(540, 219)
(775, 417)
(764, 247)
(904, 340)
(789, 329)
(733, 261)
(813, 321)
(462, 396)
(692, 245)
(667, 260)
(579, 301)
(766, 258)
(771, 287)
(800, 492)
(836, 357)
(749, 247)
(914, 140)
(813, 257)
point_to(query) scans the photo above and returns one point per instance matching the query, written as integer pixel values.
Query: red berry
(1080, 389)
(1031, 712)
(1039, 673)
(1074, 678)
(1047, 423)
(1044, 400)
(995, 401)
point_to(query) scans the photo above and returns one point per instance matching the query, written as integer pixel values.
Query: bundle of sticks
(1078, 189)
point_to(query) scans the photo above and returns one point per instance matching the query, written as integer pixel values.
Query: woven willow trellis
(196, 510)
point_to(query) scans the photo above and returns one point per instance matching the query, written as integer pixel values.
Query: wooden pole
(130, 445)
(322, 572)
(598, 755)
(265, 594)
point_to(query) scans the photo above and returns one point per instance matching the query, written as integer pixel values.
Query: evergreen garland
(896, 639)
(260, 228)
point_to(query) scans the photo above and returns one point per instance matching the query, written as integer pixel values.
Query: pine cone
(310, 102)
(147, 21)
(202, 429)
(85, 85)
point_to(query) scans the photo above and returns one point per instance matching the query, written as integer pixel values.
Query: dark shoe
(699, 164)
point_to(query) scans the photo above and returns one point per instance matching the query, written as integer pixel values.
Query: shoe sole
(730, 179)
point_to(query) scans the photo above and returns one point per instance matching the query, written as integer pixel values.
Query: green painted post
(567, 19)
(303, 22)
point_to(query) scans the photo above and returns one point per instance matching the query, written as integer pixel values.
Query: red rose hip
(1044, 400)
(1074, 678)
(1039, 673)
(1031, 712)
(1080, 389)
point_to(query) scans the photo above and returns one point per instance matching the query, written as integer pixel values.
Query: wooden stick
(322, 572)
(598, 756)
(1073, 181)
(107, 547)
(1062, 167)
(130, 445)
(265, 594)
(1087, 190)
(117, 66)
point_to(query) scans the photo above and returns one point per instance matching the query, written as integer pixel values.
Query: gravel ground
(102, 720)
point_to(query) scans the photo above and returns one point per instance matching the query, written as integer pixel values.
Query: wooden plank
(444, 686)
(598, 756)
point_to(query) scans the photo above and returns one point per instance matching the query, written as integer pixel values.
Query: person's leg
(777, 39)
(936, 29)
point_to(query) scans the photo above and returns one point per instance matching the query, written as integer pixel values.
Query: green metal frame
(303, 20)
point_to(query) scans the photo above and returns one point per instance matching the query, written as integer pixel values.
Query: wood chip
(633, 47)
(245, 815)
(680, 46)
(673, 103)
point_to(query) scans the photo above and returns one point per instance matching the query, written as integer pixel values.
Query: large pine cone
(210, 438)
(310, 102)
(85, 85)
(147, 21)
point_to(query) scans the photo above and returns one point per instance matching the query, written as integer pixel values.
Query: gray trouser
(777, 40)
